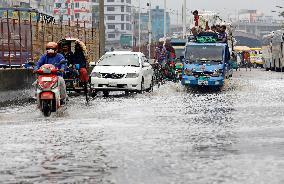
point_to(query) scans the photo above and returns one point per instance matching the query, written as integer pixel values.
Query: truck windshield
(210, 54)
(179, 52)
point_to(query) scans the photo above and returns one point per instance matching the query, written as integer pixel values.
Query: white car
(122, 71)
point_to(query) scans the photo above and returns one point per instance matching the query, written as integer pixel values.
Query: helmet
(51, 48)
(52, 45)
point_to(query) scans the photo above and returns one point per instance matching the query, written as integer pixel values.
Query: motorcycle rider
(171, 54)
(52, 57)
(160, 52)
(170, 57)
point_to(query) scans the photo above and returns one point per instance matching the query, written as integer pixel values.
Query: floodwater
(168, 136)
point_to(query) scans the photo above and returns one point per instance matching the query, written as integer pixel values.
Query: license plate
(202, 82)
(46, 79)
(112, 84)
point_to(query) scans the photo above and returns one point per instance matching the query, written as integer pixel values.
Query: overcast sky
(225, 7)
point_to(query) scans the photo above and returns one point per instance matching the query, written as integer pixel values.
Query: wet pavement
(168, 136)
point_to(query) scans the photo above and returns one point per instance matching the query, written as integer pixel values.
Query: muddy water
(168, 136)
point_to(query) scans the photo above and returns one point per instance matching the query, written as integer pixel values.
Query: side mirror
(146, 64)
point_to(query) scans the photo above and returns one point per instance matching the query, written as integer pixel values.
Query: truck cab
(206, 62)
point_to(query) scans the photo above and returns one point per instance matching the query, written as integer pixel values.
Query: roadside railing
(24, 33)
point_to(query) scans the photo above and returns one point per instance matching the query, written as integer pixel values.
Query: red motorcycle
(48, 91)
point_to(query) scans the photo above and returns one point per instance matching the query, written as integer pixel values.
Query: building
(44, 6)
(74, 10)
(117, 19)
(157, 16)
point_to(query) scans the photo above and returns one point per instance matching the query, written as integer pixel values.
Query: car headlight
(96, 74)
(132, 75)
(188, 72)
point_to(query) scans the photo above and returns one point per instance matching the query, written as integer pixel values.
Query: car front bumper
(194, 82)
(124, 84)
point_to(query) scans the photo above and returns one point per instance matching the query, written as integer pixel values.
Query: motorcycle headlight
(132, 75)
(188, 72)
(96, 74)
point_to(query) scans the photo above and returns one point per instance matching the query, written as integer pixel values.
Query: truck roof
(215, 44)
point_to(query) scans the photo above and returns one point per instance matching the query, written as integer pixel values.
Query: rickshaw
(256, 57)
(76, 77)
(244, 53)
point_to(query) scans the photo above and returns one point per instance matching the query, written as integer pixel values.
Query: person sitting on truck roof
(223, 34)
(213, 29)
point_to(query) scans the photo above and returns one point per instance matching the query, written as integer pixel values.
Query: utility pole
(165, 18)
(184, 18)
(102, 27)
(133, 26)
(139, 26)
(150, 29)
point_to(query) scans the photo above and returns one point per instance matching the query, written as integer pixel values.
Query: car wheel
(106, 93)
(126, 93)
(150, 89)
(142, 86)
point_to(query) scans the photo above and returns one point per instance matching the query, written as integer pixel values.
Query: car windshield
(210, 54)
(119, 60)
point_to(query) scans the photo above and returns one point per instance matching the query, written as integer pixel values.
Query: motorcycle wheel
(86, 92)
(46, 108)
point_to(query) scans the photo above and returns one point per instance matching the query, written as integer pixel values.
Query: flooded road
(168, 136)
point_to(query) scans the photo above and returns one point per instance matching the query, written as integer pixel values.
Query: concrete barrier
(16, 79)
